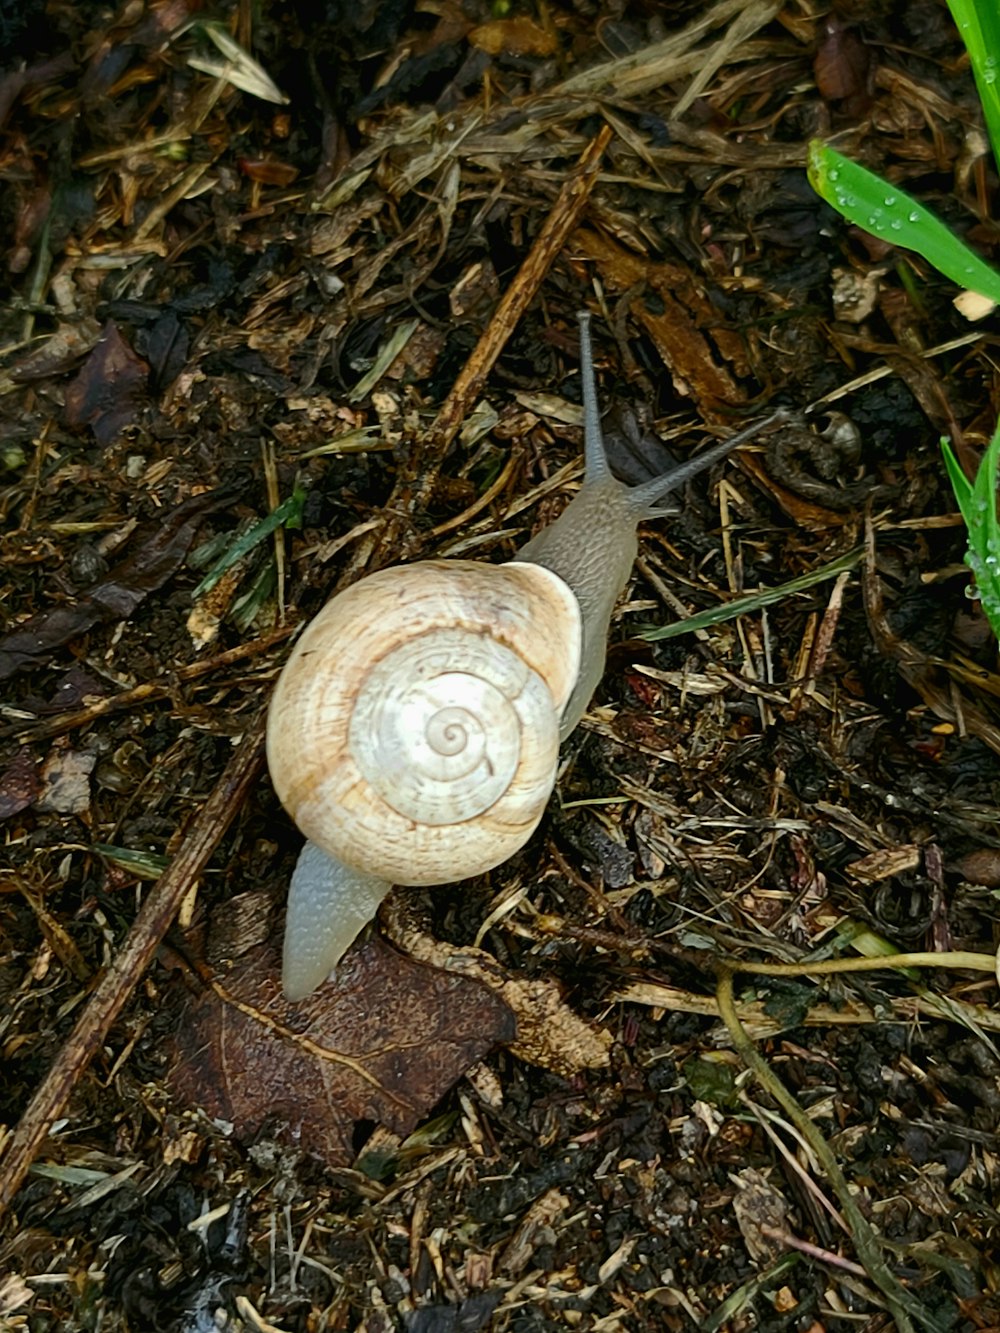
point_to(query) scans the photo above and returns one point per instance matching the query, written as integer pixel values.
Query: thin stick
(135, 955)
(548, 245)
(827, 967)
(814, 1252)
(26, 732)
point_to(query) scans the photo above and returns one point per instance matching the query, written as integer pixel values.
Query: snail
(414, 732)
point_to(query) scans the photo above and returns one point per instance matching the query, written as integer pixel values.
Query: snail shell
(414, 732)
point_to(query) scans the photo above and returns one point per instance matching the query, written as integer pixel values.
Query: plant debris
(289, 294)
(159, 553)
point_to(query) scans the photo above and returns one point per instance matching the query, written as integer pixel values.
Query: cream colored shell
(414, 731)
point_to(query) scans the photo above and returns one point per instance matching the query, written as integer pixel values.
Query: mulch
(290, 295)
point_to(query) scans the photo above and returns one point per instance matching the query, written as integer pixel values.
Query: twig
(793, 1242)
(415, 482)
(135, 955)
(548, 244)
(828, 967)
(26, 732)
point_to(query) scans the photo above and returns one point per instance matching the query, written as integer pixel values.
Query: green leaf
(870, 944)
(983, 555)
(789, 1004)
(978, 23)
(890, 213)
(144, 865)
(978, 504)
(710, 1080)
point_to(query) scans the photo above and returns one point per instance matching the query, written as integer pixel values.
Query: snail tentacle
(644, 498)
(595, 458)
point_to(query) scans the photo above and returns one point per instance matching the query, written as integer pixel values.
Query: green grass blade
(883, 209)
(754, 601)
(978, 23)
(288, 512)
(960, 483)
(985, 494)
(144, 865)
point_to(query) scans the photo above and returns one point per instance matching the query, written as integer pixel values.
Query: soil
(251, 257)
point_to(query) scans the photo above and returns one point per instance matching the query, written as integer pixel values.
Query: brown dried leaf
(19, 784)
(886, 863)
(14, 1293)
(677, 328)
(842, 64)
(760, 1214)
(549, 1033)
(66, 781)
(383, 1041)
(514, 37)
(534, 1228)
(111, 388)
(267, 170)
(981, 866)
(57, 354)
(128, 584)
(14, 82)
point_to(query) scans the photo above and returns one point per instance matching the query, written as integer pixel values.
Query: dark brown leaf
(33, 211)
(57, 354)
(473, 1314)
(166, 345)
(19, 784)
(842, 63)
(17, 81)
(71, 691)
(981, 866)
(66, 780)
(128, 584)
(383, 1041)
(111, 388)
(267, 171)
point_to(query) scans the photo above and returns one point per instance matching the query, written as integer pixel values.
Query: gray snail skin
(413, 735)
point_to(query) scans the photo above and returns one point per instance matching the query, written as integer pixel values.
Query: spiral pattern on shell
(414, 732)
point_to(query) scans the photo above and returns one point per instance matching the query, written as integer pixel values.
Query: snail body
(413, 734)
